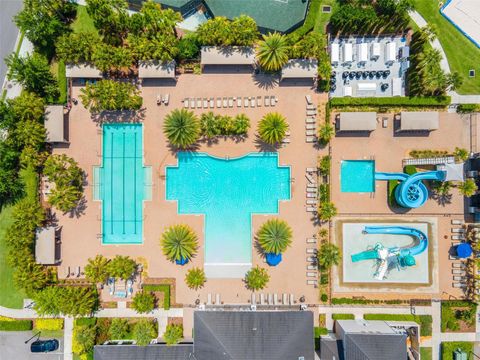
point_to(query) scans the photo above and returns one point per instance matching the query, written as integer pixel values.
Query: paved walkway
(436, 329)
(67, 338)
(14, 89)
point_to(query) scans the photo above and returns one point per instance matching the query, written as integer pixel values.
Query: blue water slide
(421, 239)
(411, 192)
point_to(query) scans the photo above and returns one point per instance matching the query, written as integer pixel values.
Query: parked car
(40, 346)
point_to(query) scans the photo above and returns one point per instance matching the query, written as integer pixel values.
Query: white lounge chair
(186, 103)
(311, 209)
(458, 237)
(252, 101)
(311, 169)
(312, 190)
(311, 267)
(219, 103)
(310, 178)
(309, 99)
(205, 103)
(212, 103)
(458, 272)
(217, 299)
(230, 102)
(270, 299)
(310, 132)
(311, 258)
(275, 299)
(311, 241)
(225, 102)
(253, 300)
(266, 101)
(292, 299)
(310, 139)
(245, 102)
(457, 222)
(312, 202)
(459, 265)
(310, 126)
(310, 107)
(311, 274)
(209, 299)
(192, 103)
(199, 103)
(273, 100)
(458, 278)
(259, 101)
(311, 251)
(311, 282)
(239, 101)
(166, 99)
(285, 299)
(286, 140)
(311, 112)
(262, 299)
(459, 285)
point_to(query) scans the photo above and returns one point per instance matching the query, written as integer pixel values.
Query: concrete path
(436, 329)
(14, 89)
(67, 338)
(8, 32)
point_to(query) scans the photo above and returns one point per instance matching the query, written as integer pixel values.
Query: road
(8, 31)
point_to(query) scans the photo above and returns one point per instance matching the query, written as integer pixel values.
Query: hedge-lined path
(67, 338)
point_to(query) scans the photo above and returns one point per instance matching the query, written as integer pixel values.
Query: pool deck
(79, 234)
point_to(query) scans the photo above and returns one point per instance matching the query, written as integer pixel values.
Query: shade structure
(375, 51)
(83, 71)
(419, 120)
(362, 49)
(273, 259)
(45, 246)
(367, 86)
(182, 261)
(390, 52)
(156, 69)
(464, 250)
(227, 55)
(335, 53)
(347, 91)
(300, 69)
(396, 87)
(357, 121)
(347, 52)
(455, 172)
(54, 124)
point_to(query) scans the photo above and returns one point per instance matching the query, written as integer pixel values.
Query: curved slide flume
(411, 192)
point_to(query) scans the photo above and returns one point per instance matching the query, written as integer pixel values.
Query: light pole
(35, 335)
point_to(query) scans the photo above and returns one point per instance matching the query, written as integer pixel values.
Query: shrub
(182, 128)
(343, 316)
(165, 288)
(272, 128)
(324, 297)
(325, 133)
(274, 236)
(103, 326)
(410, 169)
(326, 211)
(460, 154)
(422, 154)
(119, 328)
(143, 332)
(392, 185)
(16, 325)
(188, 47)
(143, 302)
(85, 321)
(179, 242)
(324, 165)
(122, 267)
(49, 324)
(195, 278)
(257, 278)
(428, 101)
(468, 108)
(83, 339)
(173, 334)
(110, 95)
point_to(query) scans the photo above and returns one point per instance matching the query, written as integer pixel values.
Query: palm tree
(274, 236)
(325, 133)
(327, 211)
(328, 255)
(179, 243)
(454, 80)
(428, 32)
(461, 154)
(182, 128)
(97, 270)
(209, 125)
(468, 188)
(272, 52)
(195, 278)
(272, 128)
(256, 278)
(122, 266)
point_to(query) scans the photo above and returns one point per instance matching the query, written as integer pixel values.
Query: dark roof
(251, 335)
(150, 352)
(375, 346)
(331, 349)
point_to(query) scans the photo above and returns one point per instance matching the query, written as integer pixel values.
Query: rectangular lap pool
(122, 183)
(357, 176)
(228, 192)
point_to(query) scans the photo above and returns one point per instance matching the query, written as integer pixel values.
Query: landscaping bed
(458, 316)
(425, 321)
(449, 347)
(343, 316)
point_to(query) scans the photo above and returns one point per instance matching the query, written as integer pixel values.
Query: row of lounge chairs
(230, 102)
(272, 299)
(217, 300)
(459, 273)
(310, 121)
(312, 190)
(70, 273)
(163, 99)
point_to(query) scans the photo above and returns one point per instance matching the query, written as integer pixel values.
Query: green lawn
(426, 353)
(323, 18)
(10, 296)
(449, 347)
(83, 22)
(462, 54)
(58, 69)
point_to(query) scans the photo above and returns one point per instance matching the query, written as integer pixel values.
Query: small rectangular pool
(357, 176)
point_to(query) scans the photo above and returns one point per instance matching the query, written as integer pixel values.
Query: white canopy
(227, 55)
(54, 123)
(419, 120)
(347, 91)
(300, 68)
(335, 53)
(362, 86)
(45, 246)
(375, 50)
(390, 52)
(156, 69)
(347, 52)
(85, 71)
(358, 121)
(455, 172)
(396, 87)
(362, 52)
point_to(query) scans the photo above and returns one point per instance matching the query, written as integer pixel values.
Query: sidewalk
(13, 89)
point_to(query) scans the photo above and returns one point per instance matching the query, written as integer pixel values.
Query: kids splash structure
(412, 192)
(393, 257)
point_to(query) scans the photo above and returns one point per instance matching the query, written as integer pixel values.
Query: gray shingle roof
(150, 352)
(236, 335)
(375, 346)
(331, 349)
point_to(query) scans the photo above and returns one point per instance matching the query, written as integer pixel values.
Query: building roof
(419, 120)
(150, 352)
(156, 69)
(85, 71)
(265, 335)
(45, 246)
(227, 55)
(331, 349)
(54, 123)
(300, 68)
(358, 121)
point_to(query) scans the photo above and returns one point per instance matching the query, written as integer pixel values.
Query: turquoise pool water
(357, 176)
(122, 183)
(228, 192)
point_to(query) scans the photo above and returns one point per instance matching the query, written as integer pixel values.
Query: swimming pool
(357, 176)
(122, 183)
(228, 192)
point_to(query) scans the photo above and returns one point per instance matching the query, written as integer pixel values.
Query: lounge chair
(285, 299)
(311, 169)
(166, 99)
(311, 112)
(253, 299)
(312, 202)
(458, 231)
(225, 102)
(209, 299)
(457, 222)
(309, 99)
(292, 299)
(262, 299)
(199, 103)
(239, 101)
(205, 103)
(311, 267)
(67, 272)
(186, 103)
(310, 178)
(458, 285)
(212, 103)
(311, 195)
(459, 265)
(311, 209)
(312, 190)
(273, 100)
(286, 140)
(310, 132)
(192, 103)
(458, 237)
(311, 282)
(259, 101)
(217, 299)
(245, 102)
(310, 126)
(311, 274)
(275, 299)
(266, 101)
(219, 103)
(310, 107)
(311, 259)
(311, 241)
(310, 139)
(311, 251)
(230, 102)
(129, 287)
(458, 278)
(270, 299)
(252, 101)
(458, 272)
(451, 257)
(79, 271)
(310, 120)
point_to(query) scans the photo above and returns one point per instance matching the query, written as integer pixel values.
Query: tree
(216, 32)
(66, 300)
(274, 236)
(122, 267)
(244, 31)
(209, 125)
(272, 52)
(27, 106)
(111, 19)
(97, 269)
(144, 332)
(272, 128)
(256, 278)
(31, 134)
(324, 165)
(31, 277)
(328, 255)
(33, 73)
(110, 58)
(195, 278)
(173, 334)
(83, 339)
(241, 124)
(454, 80)
(77, 47)
(188, 47)
(143, 302)
(325, 133)
(110, 95)
(461, 154)
(119, 329)
(326, 211)
(468, 188)
(311, 46)
(182, 128)
(179, 242)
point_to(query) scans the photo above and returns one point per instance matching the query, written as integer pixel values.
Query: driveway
(8, 32)
(12, 346)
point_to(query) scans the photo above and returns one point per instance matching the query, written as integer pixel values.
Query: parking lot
(13, 347)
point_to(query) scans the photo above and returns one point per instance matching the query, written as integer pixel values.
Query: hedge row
(16, 325)
(49, 324)
(468, 108)
(437, 101)
(165, 288)
(348, 301)
(309, 22)
(458, 303)
(86, 321)
(425, 321)
(343, 317)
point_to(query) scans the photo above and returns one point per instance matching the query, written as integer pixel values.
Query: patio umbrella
(273, 259)
(464, 250)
